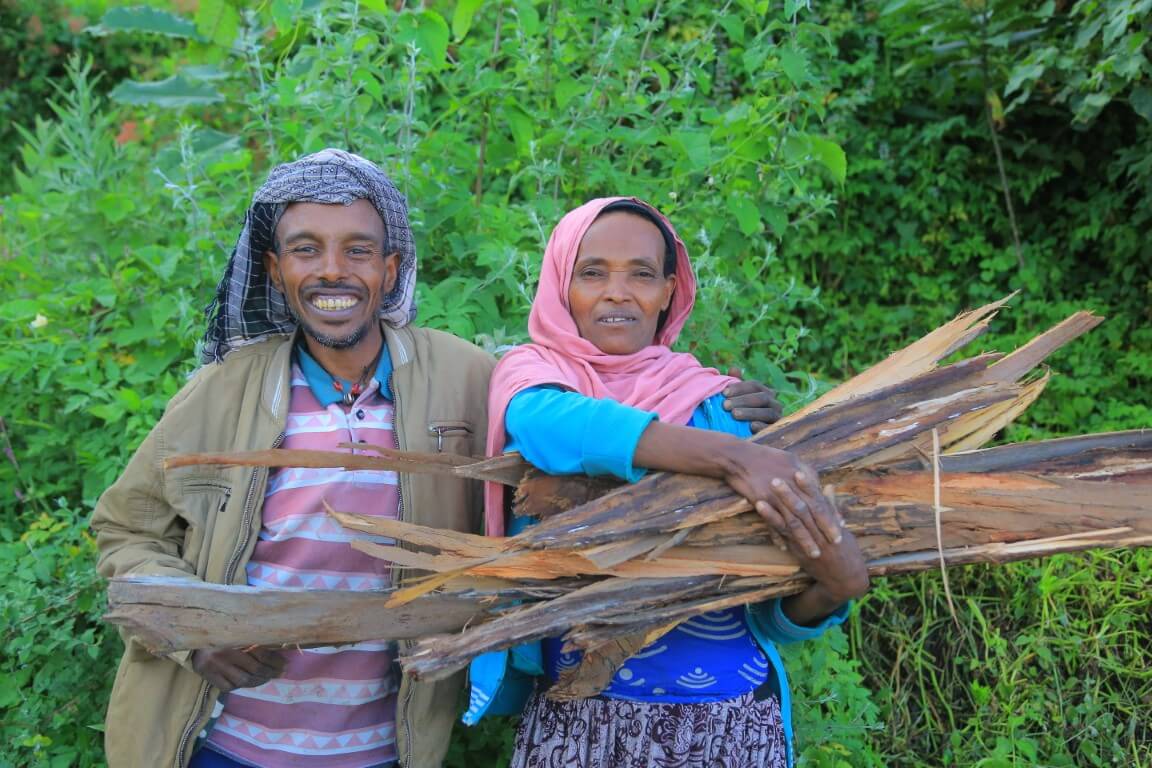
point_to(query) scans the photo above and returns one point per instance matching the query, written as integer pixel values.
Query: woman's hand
(809, 526)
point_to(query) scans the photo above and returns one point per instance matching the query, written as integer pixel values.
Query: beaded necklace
(352, 389)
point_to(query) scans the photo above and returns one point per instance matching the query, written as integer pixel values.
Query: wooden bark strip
(916, 358)
(435, 658)
(664, 502)
(1027, 357)
(174, 614)
(387, 460)
(888, 511)
(464, 545)
(600, 663)
(1083, 453)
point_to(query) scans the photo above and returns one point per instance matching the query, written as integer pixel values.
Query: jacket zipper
(405, 760)
(246, 526)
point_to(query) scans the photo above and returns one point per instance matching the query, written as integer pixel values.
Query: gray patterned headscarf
(247, 307)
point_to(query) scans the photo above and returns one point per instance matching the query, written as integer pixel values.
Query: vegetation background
(848, 175)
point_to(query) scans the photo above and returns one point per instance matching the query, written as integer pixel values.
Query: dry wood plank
(173, 614)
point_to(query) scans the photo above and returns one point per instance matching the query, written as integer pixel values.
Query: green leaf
(426, 30)
(746, 213)
(521, 125)
(218, 21)
(795, 65)
(565, 90)
(115, 206)
(208, 72)
(151, 21)
(285, 13)
(792, 7)
(777, 219)
(831, 156)
(175, 91)
(734, 27)
(462, 17)
(1141, 101)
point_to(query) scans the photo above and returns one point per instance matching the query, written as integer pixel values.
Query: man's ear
(391, 271)
(272, 267)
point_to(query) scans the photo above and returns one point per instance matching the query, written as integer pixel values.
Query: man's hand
(230, 668)
(751, 401)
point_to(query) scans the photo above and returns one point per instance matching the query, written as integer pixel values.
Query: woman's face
(618, 285)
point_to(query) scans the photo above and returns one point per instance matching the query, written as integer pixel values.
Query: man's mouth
(333, 303)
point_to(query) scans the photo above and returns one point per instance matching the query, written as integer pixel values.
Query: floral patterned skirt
(612, 733)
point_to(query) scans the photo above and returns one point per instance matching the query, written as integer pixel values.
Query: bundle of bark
(612, 568)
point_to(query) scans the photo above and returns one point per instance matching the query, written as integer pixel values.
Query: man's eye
(303, 250)
(360, 253)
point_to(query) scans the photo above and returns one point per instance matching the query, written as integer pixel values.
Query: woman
(600, 392)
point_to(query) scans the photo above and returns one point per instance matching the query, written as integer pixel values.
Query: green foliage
(831, 169)
(55, 671)
(36, 39)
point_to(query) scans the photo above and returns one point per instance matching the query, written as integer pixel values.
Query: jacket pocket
(451, 436)
(203, 501)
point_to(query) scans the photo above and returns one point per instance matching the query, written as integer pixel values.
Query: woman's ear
(669, 291)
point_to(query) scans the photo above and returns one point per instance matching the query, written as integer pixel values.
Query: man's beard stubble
(325, 340)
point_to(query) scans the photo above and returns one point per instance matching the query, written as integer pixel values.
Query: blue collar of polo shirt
(320, 381)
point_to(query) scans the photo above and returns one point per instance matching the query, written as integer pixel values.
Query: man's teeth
(331, 304)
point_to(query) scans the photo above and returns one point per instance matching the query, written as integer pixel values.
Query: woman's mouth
(616, 319)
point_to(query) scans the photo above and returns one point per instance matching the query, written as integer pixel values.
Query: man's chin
(334, 341)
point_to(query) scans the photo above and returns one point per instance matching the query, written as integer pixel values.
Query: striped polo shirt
(333, 707)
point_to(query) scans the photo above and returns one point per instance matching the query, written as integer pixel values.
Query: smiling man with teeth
(310, 345)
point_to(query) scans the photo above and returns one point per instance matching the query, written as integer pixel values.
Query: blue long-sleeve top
(713, 657)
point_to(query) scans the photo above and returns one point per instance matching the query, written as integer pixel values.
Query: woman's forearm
(671, 448)
(811, 606)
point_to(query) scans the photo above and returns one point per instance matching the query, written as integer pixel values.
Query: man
(310, 345)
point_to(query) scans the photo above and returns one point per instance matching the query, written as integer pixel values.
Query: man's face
(332, 269)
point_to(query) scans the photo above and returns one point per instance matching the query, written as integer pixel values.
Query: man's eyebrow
(294, 237)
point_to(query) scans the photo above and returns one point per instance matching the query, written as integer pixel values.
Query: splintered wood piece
(506, 469)
(916, 358)
(435, 658)
(1016, 365)
(387, 459)
(174, 614)
(1073, 456)
(465, 545)
(599, 664)
(665, 502)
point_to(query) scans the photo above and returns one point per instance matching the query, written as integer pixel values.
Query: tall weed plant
(493, 121)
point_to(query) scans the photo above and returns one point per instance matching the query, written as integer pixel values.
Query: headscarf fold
(247, 307)
(671, 384)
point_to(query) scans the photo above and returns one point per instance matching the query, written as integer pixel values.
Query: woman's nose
(617, 288)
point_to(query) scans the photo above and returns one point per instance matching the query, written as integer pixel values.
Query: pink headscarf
(671, 384)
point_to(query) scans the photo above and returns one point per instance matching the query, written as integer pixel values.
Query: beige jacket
(203, 522)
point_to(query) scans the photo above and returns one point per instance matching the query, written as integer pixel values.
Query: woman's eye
(591, 274)
(645, 274)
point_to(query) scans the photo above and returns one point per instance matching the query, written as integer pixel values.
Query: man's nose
(333, 265)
